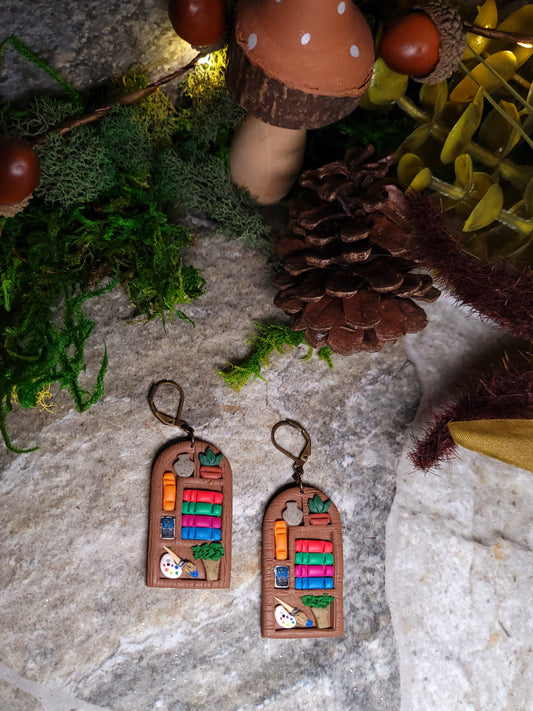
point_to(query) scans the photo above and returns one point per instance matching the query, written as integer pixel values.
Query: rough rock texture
(459, 551)
(88, 42)
(79, 628)
(76, 615)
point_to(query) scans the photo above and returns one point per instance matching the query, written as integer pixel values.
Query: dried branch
(127, 100)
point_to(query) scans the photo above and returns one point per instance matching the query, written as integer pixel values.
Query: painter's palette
(302, 566)
(189, 537)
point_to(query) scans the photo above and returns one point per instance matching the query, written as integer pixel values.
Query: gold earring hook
(173, 421)
(301, 459)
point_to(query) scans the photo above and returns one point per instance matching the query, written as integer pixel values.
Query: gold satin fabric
(510, 441)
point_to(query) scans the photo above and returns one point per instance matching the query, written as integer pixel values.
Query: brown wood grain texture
(183, 548)
(331, 532)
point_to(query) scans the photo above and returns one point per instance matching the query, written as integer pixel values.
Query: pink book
(200, 521)
(313, 571)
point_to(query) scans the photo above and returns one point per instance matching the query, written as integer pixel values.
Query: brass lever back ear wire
(300, 459)
(173, 421)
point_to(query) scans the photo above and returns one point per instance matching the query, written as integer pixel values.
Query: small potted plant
(210, 554)
(210, 464)
(318, 511)
(319, 605)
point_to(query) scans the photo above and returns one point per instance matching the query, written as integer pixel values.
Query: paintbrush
(187, 566)
(300, 617)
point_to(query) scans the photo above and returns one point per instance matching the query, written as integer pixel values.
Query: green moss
(75, 168)
(271, 338)
(41, 115)
(200, 182)
(213, 115)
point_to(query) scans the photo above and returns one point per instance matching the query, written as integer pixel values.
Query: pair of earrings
(189, 537)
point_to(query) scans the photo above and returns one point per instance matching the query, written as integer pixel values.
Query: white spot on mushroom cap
(354, 50)
(252, 40)
(306, 38)
(341, 7)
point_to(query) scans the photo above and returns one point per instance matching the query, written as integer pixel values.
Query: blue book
(194, 533)
(325, 583)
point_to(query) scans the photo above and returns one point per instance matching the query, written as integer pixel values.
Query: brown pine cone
(347, 278)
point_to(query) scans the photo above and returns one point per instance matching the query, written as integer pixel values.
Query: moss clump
(200, 182)
(75, 168)
(213, 115)
(101, 212)
(270, 338)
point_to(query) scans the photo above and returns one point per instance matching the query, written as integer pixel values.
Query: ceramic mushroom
(292, 65)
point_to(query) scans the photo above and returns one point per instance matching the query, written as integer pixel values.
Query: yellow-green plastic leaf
(528, 198)
(421, 180)
(461, 133)
(487, 16)
(520, 21)
(464, 174)
(386, 86)
(433, 97)
(502, 63)
(409, 166)
(415, 139)
(482, 183)
(486, 211)
(497, 133)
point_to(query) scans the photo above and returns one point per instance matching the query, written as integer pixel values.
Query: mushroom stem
(266, 159)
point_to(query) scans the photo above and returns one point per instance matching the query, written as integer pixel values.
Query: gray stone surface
(79, 628)
(87, 42)
(459, 550)
(76, 615)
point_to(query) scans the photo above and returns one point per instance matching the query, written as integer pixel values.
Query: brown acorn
(19, 174)
(427, 43)
(201, 23)
(19, 170)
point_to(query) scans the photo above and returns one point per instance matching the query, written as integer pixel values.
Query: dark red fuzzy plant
(503, 392)
(500, 292)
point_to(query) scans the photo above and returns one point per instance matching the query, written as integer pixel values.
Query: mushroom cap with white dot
(317, 46)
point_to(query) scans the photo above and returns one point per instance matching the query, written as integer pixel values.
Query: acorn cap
(299, 64)
(449, 24)
(15, 208)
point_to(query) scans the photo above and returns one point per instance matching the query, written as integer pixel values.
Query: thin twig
(492, 33)
(127, 100)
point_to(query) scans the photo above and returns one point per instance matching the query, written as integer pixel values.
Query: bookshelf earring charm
(189, 537)
(302, 557)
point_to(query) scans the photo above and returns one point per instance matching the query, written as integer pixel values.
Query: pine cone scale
(316, 339)
(288, 301)
(362, 310)
(324, 314)
(344, 340)
(342, 284)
